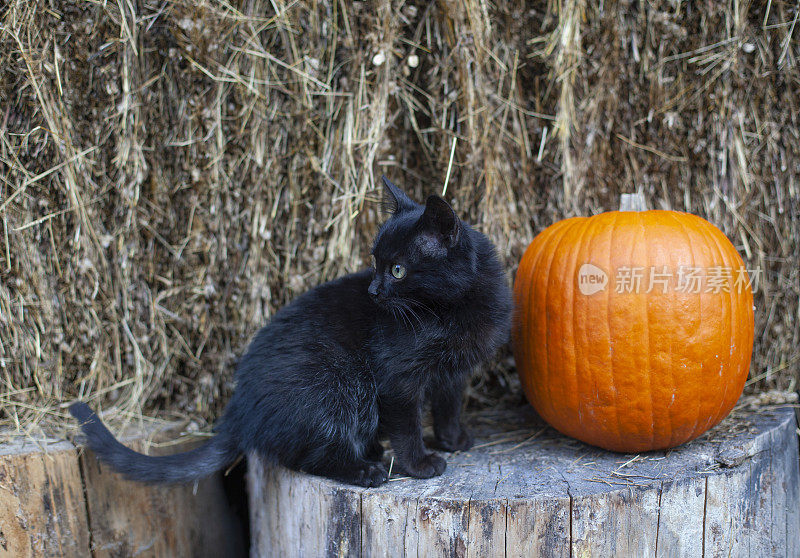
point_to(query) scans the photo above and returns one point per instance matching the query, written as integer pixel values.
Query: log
(42, 506)
(56, 499)
(525, 490)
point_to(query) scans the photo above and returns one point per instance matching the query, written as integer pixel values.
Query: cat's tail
(164, 469)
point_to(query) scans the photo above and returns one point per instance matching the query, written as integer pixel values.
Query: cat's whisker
(408, 303)
(403, 310)
(423, 306)
(397, 313)
(407, 318)
(411, 311)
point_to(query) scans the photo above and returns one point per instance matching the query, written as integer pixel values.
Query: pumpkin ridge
(670, 410)
(521, 345)
(548, 345)
(647, 340)
(690, 243)
(530, 288)
(674, 431)
(731, 257)
(528, 285)
(718, 311)
(673, 383)
(536, 388)
(608, 411)
(521, 297)
(577, 347)
(628, 391)
(723, 262)
(613, 228)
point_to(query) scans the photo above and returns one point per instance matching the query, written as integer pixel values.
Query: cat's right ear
(394, 199)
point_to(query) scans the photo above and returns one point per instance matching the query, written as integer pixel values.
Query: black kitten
(356, 358)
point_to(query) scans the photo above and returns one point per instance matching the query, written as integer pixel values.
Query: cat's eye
(398, 271)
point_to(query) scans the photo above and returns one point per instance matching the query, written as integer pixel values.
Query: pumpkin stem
(632, 202)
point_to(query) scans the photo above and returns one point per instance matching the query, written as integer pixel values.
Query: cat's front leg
(446, 401)
(401, 420)
(374, 450)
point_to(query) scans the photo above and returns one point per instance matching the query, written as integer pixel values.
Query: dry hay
(171, 173)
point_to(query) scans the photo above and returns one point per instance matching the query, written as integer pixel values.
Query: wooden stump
(525, 490)
(56, 500)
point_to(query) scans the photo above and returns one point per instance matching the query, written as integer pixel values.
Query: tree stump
(525, 490)
(56, 500)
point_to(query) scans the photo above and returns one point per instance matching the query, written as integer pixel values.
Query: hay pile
(171, 174)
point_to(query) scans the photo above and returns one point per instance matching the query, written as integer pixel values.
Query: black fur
(182, 467)
(356, 358)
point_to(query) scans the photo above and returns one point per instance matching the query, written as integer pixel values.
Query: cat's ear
(394, 199)
(440, 218)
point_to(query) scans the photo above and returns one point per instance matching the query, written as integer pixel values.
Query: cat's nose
(373, 289)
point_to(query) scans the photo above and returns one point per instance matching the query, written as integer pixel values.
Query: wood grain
(42, 511)
(132, 519)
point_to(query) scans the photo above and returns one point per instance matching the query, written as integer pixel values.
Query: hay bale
(172, 174)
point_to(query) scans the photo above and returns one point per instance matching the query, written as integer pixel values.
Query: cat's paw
(430, 465)
(460, 440)
(371, 475)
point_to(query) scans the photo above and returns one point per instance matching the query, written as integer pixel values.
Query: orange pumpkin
(634, 329)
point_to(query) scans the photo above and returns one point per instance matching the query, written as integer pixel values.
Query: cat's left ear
(394, 199)
(440, 218)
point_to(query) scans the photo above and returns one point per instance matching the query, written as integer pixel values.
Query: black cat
(356, 358)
